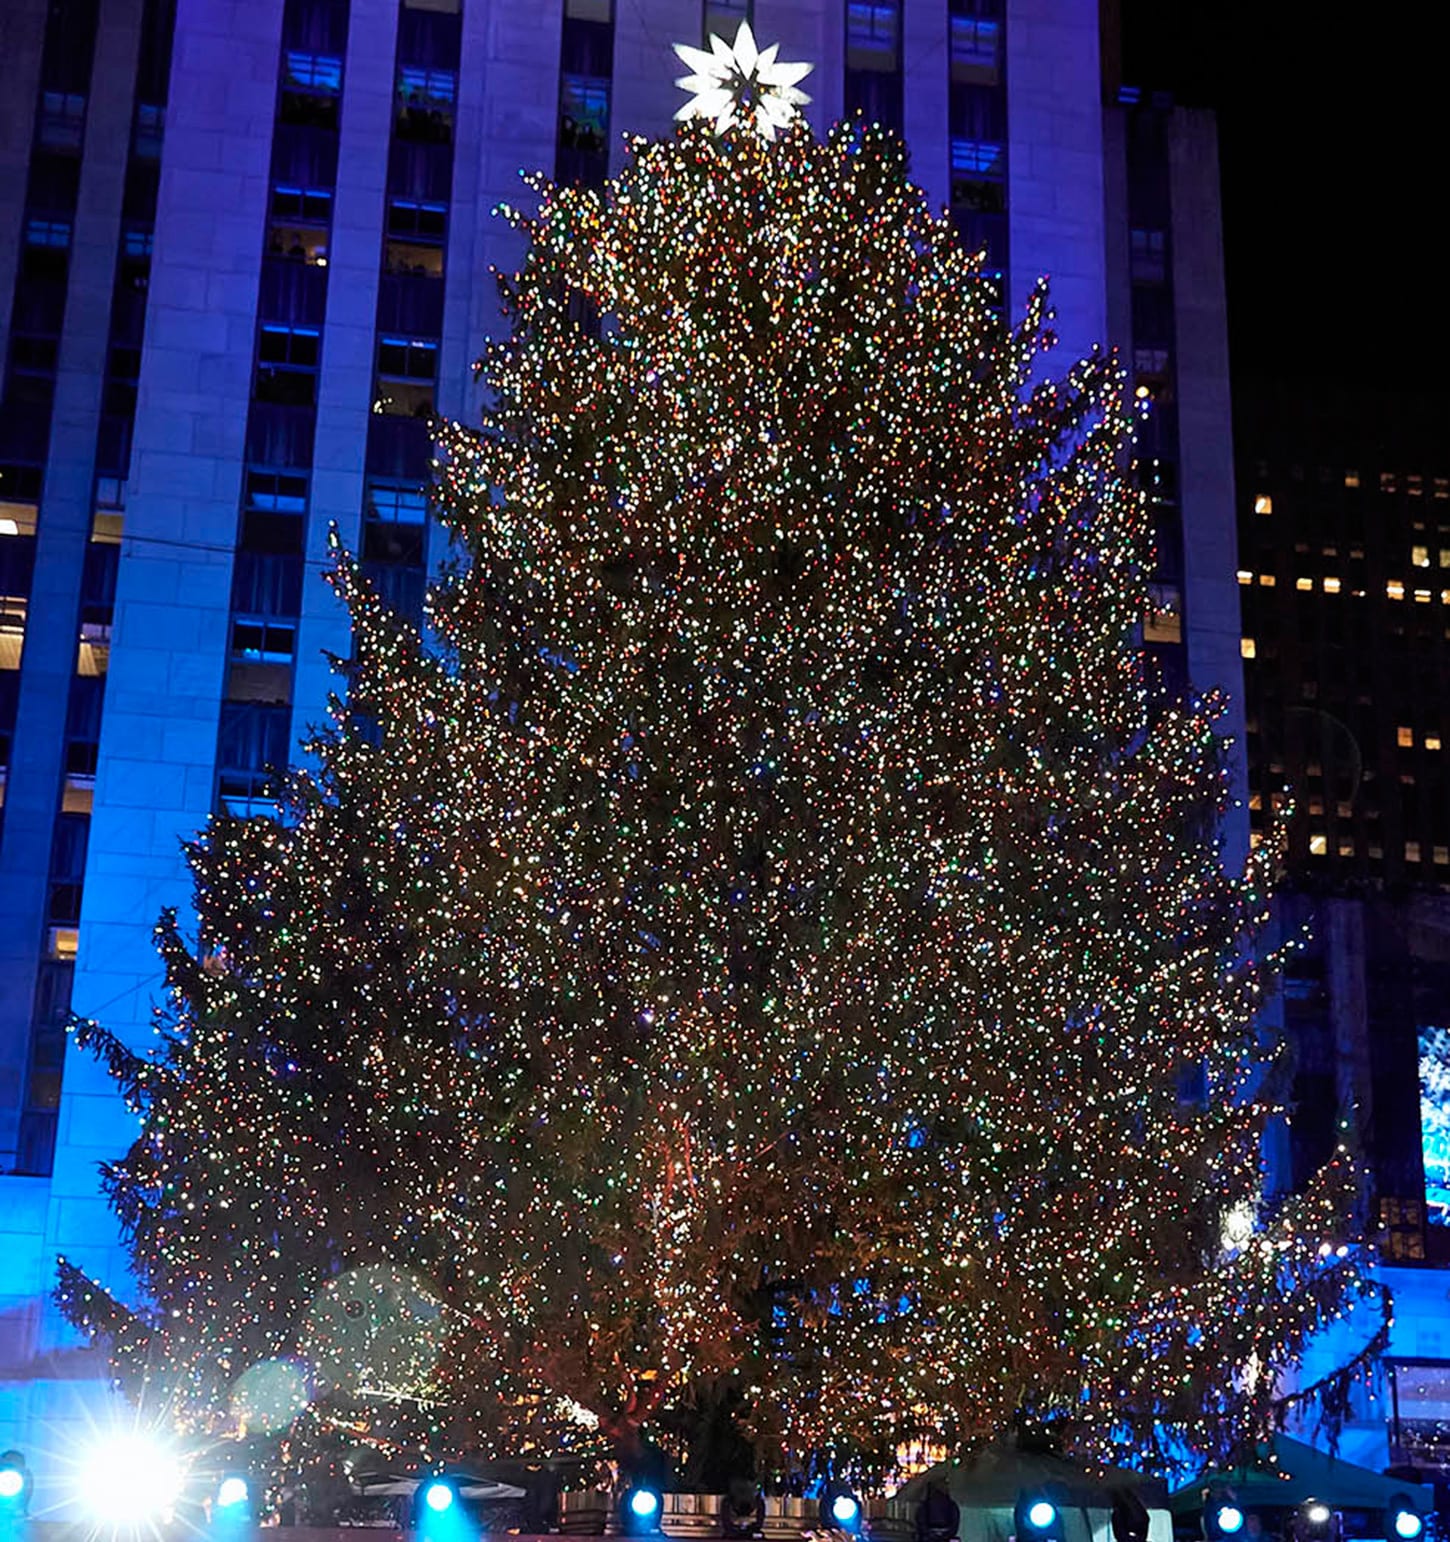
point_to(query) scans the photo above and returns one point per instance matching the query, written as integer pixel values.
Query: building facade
(244, 256)
(1344, 541)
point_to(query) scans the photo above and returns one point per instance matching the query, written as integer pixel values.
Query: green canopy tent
(1286, 1472)
(987, 1483)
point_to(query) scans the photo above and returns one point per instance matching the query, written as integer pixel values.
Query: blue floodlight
(1042, 1513)
(640, 1509)
(644, 1503)
(841, 1510)
(12, 1482)
(1229, 1519)
(845, 1509)
(231, 1492)
(438, 1496)
(1036, 1518)
(1408, 1525)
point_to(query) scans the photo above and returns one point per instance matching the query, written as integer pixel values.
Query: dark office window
(976, 49)
(305, 205)
(873, 29)
(426, 100)
(251, 744)
(62, 120)
(287, 365)
(148, 131)
(1148, 256)
(410, 220)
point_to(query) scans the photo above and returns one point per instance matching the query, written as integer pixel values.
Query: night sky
(1333, 142)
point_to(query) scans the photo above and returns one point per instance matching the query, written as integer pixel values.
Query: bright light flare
(1041, 1514)
(644, 1502)
(131, 1480)
(12, 1481)
(1408, 1525)
(845, 1509)
(1317, 1514)
(1230, 1519)
(438, 1497)
(231, 1492)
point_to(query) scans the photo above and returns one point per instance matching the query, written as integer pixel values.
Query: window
(1415, 486)
(584, 113)
(1244, 576)
(287, 365)
(62, 120)
(252, 738)
(595, 10)
(396, 503)
(1394, 589)
(54, 234)
(1405, 737)
(407, 373)
(1148, 256)
(1267, 580)
(1318, 846)
(1164, 621)
(1351, 479)
(976, 47)
(410, 257)
(1346, 846)
(94, 655)
(313, 72)
(1247, 650)
(410, 221)
(977, 158)
(313, 205)
(1412, 851)
(1420, 556)
(260, 666)
(276, 491)
(425, 104)
(13, 611)
(17, 519)
(871, 31)
(1263, 504)
(148, 130)
(1442, 487)
(1432, 741)
(1387, 482)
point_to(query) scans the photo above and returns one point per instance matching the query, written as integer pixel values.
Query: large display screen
(1435, 1122)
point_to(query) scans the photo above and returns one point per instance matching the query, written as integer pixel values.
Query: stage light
(12, 1481)
(1314, 1521)
(1406, 1522)
(840, 1509)
(639, 1510)
(438, 1496)
(231, 1492)
(1036, 1518)
(131, 1480)
(1223, 1516)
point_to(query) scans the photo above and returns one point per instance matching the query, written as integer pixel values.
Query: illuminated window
(1318, 846)
(64, 942)
(1412, 851)
(1267, 580)
(17, 518)
(1304, 583)
(1405, 737)
(976, 46)
(1256, 801)
(1351, 479)
(1255, 840)
(1331, 586)
(1164, 621)
(1420, 556)
(13, 611)
(1394, 589)
(1432, 741)
(1441, 855)
(1387, 482)
(106, 527)
(1244, 576)
(1442, 487)
(1343, 809)
(1415, 486)
(1246, 648)
(1346, 847)
(1316, 805)
(94, 655)
(1423, 596)
(1263, 504)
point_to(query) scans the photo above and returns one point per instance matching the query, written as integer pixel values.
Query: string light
(762, 930)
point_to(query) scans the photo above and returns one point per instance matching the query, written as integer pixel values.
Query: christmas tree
(761, 934)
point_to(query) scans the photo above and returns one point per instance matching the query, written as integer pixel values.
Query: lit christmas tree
(761, 934)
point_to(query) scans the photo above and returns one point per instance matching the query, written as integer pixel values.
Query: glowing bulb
(644, 1503)
(1230, 1519)
(438, 1497)
(1042, 1514)
(11, 1482)
(130, 1479)
(1408, 1525)
(232, 1491)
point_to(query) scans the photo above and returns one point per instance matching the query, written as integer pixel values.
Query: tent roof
(1287, 1472)
(995, 1475)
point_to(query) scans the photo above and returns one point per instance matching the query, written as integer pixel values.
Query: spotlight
(639, 1510)
(14, 1485)
(742, 1511)
(1405, 1521)
(938, 1516)
(1130, 1517)
(1223, 1516)
(840, 1509)
(131, 1480)
(232, 1492)
(438, 1496)
(1314, 1521)
(1036, 1518)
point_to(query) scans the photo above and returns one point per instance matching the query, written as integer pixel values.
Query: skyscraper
(244, 255)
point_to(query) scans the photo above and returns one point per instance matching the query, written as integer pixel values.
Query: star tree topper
(741, 84)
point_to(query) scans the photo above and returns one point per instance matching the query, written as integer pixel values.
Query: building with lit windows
(1344, 552)
(244, 256)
